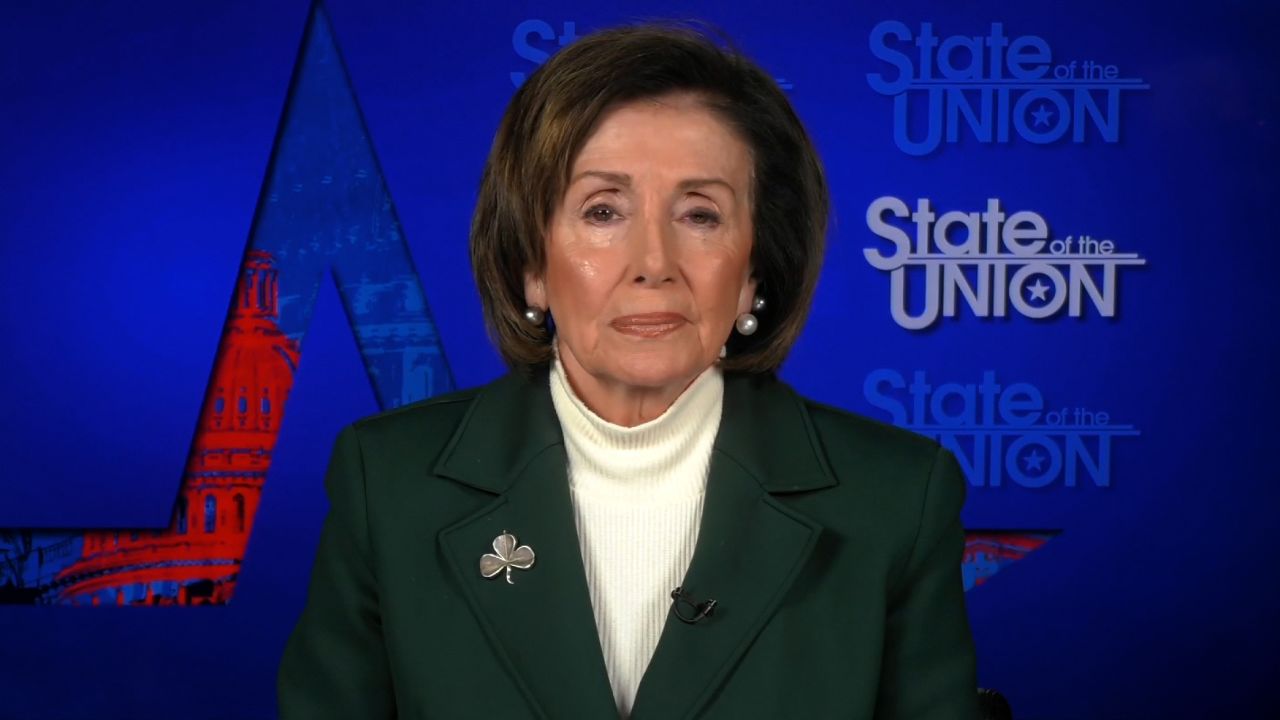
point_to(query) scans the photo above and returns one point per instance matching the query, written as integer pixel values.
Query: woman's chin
(657, 366)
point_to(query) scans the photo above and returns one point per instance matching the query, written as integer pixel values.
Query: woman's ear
(746, 299)
(535, 291)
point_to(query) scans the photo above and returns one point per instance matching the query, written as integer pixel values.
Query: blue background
(134, 138)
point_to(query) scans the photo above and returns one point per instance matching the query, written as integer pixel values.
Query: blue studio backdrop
(228, 229)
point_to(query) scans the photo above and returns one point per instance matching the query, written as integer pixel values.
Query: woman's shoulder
(885, 476)
(844, 436)
(427, 426)
(412, 429)
(419, 416)
(868, 438)
(896, 466)
(878, 463)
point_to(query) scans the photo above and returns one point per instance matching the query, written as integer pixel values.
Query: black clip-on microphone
(700, 609)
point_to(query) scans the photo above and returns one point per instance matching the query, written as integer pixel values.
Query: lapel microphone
(694, 611)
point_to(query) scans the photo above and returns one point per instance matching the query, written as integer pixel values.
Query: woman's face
(648, 253)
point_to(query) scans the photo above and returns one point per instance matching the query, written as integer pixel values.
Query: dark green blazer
(832, 543)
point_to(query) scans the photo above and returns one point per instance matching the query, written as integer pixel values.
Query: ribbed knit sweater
(637, 496)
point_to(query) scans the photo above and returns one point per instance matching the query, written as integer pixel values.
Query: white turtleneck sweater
(637, 499)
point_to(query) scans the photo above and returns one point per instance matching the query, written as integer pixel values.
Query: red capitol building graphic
(986, 551)
(197, 559)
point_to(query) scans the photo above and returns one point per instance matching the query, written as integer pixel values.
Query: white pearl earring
(747, 323)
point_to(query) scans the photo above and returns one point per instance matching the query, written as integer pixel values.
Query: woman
(641, 520)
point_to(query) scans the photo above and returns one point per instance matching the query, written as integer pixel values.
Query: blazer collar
(750, 546)
(765, 428)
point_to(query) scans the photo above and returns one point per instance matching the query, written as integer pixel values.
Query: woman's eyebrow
(624, 180)
(614, 177)
(695, 183)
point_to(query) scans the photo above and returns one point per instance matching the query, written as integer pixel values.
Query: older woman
(641, 520)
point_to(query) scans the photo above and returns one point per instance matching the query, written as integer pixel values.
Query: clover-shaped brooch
(506, 555)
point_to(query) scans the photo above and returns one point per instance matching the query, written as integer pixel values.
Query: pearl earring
(747, 323)
(534, 315)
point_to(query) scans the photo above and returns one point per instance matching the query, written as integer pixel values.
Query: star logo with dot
(1039, 290)
(1033, 460)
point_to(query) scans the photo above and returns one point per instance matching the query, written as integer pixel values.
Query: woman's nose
(653, 257)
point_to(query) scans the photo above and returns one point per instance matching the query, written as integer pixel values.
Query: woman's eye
(600, 213)
(705, 218)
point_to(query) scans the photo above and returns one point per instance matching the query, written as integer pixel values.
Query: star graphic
(1033, 460)
(1042, 115)
(1038, 290)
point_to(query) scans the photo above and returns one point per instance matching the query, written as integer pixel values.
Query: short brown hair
(556, 110)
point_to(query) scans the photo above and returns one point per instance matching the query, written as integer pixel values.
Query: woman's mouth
(648, 325)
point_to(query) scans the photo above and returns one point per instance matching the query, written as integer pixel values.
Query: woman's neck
(618, 403)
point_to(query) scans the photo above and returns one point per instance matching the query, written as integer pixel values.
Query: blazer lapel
(541, 626)
(750, 547)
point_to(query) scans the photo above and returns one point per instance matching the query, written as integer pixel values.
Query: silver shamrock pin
(506, 555)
